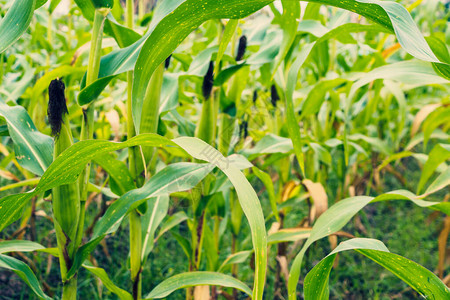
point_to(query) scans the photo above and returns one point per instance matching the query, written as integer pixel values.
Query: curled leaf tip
(56, 105)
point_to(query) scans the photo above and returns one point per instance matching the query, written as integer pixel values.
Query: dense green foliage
(224, 149)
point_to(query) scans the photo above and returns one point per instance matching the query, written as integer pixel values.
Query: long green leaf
(34, 150)
(24, 272)
(339, 214)
(174, 178)
(15, 22)
(107, 282)
(66, 169)
(247, 198)
(420, 279)
(185, 280)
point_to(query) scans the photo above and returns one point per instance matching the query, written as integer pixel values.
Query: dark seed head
(167, 62)
(208, 81)
(274, 95)
(241, 48)
(243, 129)
(255, 96)
(56, 105)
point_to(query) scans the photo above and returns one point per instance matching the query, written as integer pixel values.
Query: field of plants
(224, 149)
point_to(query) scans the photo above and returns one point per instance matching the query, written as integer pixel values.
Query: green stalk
(87, 127)
(133, 161)
(136, 253)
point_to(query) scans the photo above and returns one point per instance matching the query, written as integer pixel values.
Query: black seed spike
(274, 95)
(241, 48)
(243, 129)
(255, 96)
(208, 81)
(167, 62)
(56, 105)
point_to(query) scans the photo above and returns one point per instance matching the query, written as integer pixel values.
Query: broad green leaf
(34, 150)
(67, 167)
(247, 198)
(24, 272)
(103, 276)
(24, 246)
(420, 279)
(15, 22)
(340, 213)
(192, 13)
(439, 154)
(185, 280)
(316, 282)
(174, 178)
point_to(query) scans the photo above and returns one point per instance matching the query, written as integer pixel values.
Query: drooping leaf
(34, 150)
(420, 279)
(185, 280)
(247, 198)
(24, 272)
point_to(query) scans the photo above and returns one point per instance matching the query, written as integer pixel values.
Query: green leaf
(156, 212)
(333, 219)
(236, 258)
(292, 123)
(228, 33)
(289, 235)
(439, 154)
(247, 198)
(103, 276)
(120, 177)
(267, 181)
(420, 279)
(24, 272)
(67, 167)
(185, 280)
(174, 178)
(289, 24)
(441, 182)
(16, 22)
(33, 150)
(171, 222)
(167, 35)
(316, 282)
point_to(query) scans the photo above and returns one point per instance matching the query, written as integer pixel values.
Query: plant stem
(134, 218)
(70, 289)
(135, 252)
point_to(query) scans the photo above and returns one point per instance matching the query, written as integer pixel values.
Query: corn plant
(227, 137)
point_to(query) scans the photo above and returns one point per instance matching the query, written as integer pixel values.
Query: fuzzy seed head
(241, 48)
(208, 81)
(274, 95)
(56, 105)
